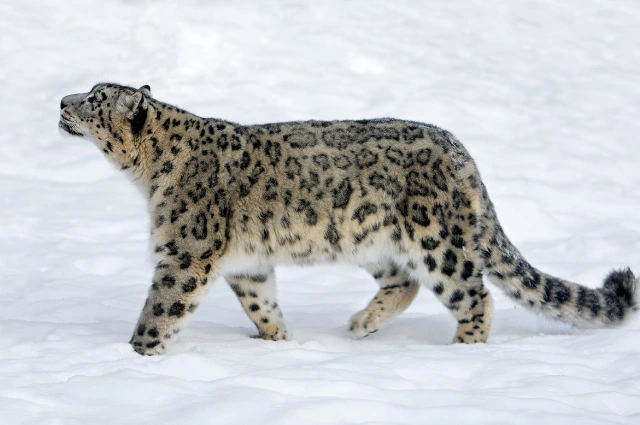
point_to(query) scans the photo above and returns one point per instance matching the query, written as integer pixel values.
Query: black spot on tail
(621, 283)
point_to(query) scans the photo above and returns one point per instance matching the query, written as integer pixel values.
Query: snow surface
(544, 94)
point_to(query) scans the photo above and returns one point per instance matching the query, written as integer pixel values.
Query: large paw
(364, 323)
(148, 342)
(273, 331)
(469, 332)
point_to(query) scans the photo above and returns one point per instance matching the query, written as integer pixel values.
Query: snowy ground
(544, 94)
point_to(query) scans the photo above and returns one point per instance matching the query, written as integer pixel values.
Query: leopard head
(110, 116)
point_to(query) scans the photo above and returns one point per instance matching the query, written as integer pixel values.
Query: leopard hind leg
(397, 291)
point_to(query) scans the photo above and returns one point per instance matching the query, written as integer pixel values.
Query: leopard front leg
(175, 293)
(256, 292)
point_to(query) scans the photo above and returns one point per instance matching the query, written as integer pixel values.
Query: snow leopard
(402, 199)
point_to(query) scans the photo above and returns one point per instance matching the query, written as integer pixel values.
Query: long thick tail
(553, 297)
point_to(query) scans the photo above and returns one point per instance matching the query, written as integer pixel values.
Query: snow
(546, 97)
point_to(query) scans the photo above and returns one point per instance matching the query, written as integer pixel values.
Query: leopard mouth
(68, 128)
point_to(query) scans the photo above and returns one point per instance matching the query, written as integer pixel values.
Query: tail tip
(623, 284)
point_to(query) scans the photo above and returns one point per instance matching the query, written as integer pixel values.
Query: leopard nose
(66, 101)
(72, 98)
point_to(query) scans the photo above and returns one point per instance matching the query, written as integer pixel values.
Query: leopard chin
(66, 129)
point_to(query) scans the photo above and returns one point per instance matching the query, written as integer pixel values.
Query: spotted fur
(402, 199)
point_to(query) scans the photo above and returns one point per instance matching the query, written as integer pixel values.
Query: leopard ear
(136, 110)
(135, 103)
(146, 90)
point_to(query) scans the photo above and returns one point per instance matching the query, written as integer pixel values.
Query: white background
(544, 94)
